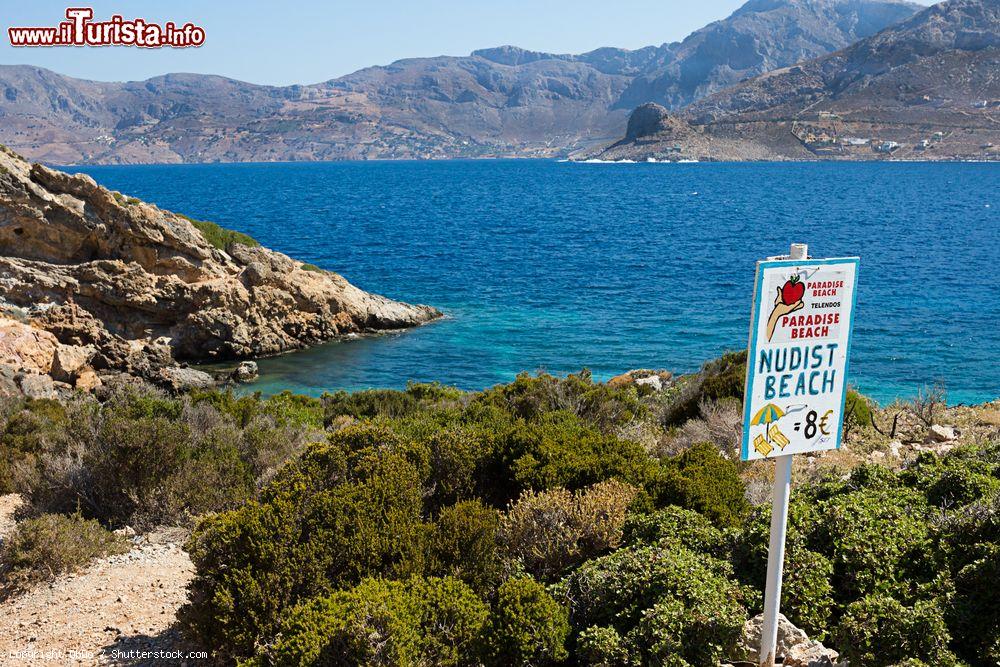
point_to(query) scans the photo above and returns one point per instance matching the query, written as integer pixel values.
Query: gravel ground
(120, 610)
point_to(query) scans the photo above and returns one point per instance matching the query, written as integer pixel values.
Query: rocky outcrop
(25, 347)
(794, 648)
(656, 380)
(93, 281)
(646, 120)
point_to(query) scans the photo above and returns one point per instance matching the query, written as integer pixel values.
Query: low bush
(664, 601)
(964, 477)
(703, 479)
(464, 546)
(30, 428)
(676, 526)
(220, 237)
(413, 622)
(550, 531)
(807, 589)
(528, 626)
(879, 630)
(344, 511)
(603, 647)
(144, 459)
(719, 422)
(973, 613)
(857, 409)
(49, 545)
(599, 404)
(557, 449)
(878, 539)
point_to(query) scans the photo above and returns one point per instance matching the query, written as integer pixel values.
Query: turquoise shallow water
(558, 266)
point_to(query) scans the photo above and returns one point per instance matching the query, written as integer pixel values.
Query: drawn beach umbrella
(767, 414)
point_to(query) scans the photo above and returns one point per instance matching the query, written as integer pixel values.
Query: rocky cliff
(494, 102)
(94, 283)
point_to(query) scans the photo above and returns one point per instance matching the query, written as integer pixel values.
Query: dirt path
(118, 611)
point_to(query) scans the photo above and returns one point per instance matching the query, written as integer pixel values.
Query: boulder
(655, 379)
(939, 433)
(71, 360)
(9, 385)
(179, 379)
(36, 385)
(87, 380)
(25, 347)
(245, 372)
(794, 646)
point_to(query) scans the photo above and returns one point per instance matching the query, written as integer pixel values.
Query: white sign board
(800, 338)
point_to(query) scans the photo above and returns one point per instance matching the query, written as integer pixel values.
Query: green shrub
(877, 540)
(344, 511)
(857, 409)
(285, 408)
(455, 455)
(530, 398)
(125, 201)
(678, 526)
(370, 403)
(807, 591)
(964, 476)
(145, 459)
(603, 647)
(552, 530)
(703, 479)
(413, 622)
(663, 600)
(433, 393)
(974, 611)
(464, 545)
(878, 630)
(220, 237)
(52, 544)
(528, 626)
(30, 427)
(684, 633)
(968, 533)
(556, 450)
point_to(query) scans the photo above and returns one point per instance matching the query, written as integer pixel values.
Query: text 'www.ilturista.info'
(80, 30)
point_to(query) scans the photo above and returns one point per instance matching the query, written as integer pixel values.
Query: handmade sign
(800, 338)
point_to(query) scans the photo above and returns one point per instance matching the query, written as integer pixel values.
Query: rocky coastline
(99, 288)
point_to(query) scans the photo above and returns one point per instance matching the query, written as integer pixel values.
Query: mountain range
(925, 88)
(503, 101)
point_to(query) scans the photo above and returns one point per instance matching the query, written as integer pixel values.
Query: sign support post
(775, 559)
(776, 547)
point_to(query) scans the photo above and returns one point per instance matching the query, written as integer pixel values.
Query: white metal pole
(776, 547)
(775, 559)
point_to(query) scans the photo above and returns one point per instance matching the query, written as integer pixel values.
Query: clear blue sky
(307, 41)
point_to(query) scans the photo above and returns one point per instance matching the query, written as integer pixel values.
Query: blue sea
(556, 266)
